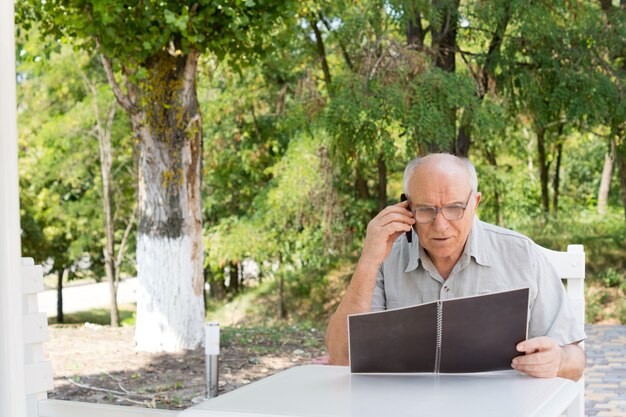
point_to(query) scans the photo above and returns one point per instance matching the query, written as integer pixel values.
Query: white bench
(38, 371)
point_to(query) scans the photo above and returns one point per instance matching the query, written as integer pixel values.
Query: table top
(331, 391)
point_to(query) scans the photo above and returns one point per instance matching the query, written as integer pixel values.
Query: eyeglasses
(426, 214)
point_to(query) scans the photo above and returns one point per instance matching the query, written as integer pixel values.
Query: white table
(318, 390)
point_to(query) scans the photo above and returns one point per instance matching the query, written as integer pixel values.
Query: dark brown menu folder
(469, 334)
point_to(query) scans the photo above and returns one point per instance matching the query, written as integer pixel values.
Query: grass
(101, 316)
(273, 339)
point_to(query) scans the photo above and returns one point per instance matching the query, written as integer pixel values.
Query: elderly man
(453, 254)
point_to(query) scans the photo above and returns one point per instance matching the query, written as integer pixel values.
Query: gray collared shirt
(494, 259)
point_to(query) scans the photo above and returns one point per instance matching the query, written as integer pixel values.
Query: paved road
(87, 297)
(605, 374)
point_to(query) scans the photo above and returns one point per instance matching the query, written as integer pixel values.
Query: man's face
(438, 185)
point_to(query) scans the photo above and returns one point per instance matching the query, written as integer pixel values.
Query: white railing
(37, 370)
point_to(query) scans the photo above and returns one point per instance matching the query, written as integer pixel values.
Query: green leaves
(132, 32)
(60, 184)
(179, 22)
(270, 191)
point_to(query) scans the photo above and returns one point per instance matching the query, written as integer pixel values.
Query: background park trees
(272, 132)
(150, 52)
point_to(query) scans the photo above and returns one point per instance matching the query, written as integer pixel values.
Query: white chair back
(570, 267)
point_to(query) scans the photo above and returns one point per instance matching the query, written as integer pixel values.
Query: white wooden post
(12, 380)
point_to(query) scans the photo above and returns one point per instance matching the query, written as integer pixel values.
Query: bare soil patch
(99, 364)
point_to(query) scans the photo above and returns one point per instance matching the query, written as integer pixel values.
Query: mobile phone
(409, 234)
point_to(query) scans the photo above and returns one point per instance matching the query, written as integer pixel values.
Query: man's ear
(477, 197)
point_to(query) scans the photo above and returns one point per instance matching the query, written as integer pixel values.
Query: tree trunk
(614, 18)
(115, 315)
(543, 170)
(104, 142)
(557, 176)
(605, 180)
(464, 137)
(360, 185)
(233, 275)
(499, 213)
(444, 39)
(620, 157)
(240, 275)
(281, 295)
(166, 119)
(103, 135)
(444, 46)
(342, 45)
(217, 289)
(60, 273)
(414, 30)
(382, 182)
(321, 51)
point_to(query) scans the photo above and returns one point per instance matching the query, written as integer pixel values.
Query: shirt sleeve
(378, 297)
(551, 312)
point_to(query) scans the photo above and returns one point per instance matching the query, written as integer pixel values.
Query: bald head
(439, 164)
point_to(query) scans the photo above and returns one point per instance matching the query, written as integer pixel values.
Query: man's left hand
(543, 357)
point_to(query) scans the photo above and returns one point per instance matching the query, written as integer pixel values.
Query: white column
(12, 383)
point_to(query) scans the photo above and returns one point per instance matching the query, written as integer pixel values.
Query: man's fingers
(402, 208)
(394, 227)
(542, 359)
(396, 218)
(534, 368)
(538, 371)
(535, 358)
(535, 344)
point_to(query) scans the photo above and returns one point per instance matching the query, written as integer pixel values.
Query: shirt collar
(476, 245)
(473, 248)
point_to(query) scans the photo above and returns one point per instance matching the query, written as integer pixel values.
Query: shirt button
(446, 288)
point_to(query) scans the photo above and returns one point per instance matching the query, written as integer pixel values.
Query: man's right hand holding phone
(383, 230)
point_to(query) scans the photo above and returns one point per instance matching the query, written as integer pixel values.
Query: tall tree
(614, 62)
(102, 132)
(156, 47)
(447, 30)
(58, 161)
(544, 84)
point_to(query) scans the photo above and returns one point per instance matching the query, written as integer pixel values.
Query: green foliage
(60, 181)
(290, 221)
(605, 304)
(602, 236)
(133, 32)
(612, 278)
(293, 156)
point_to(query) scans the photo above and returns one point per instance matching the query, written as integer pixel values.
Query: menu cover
(469, 334)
